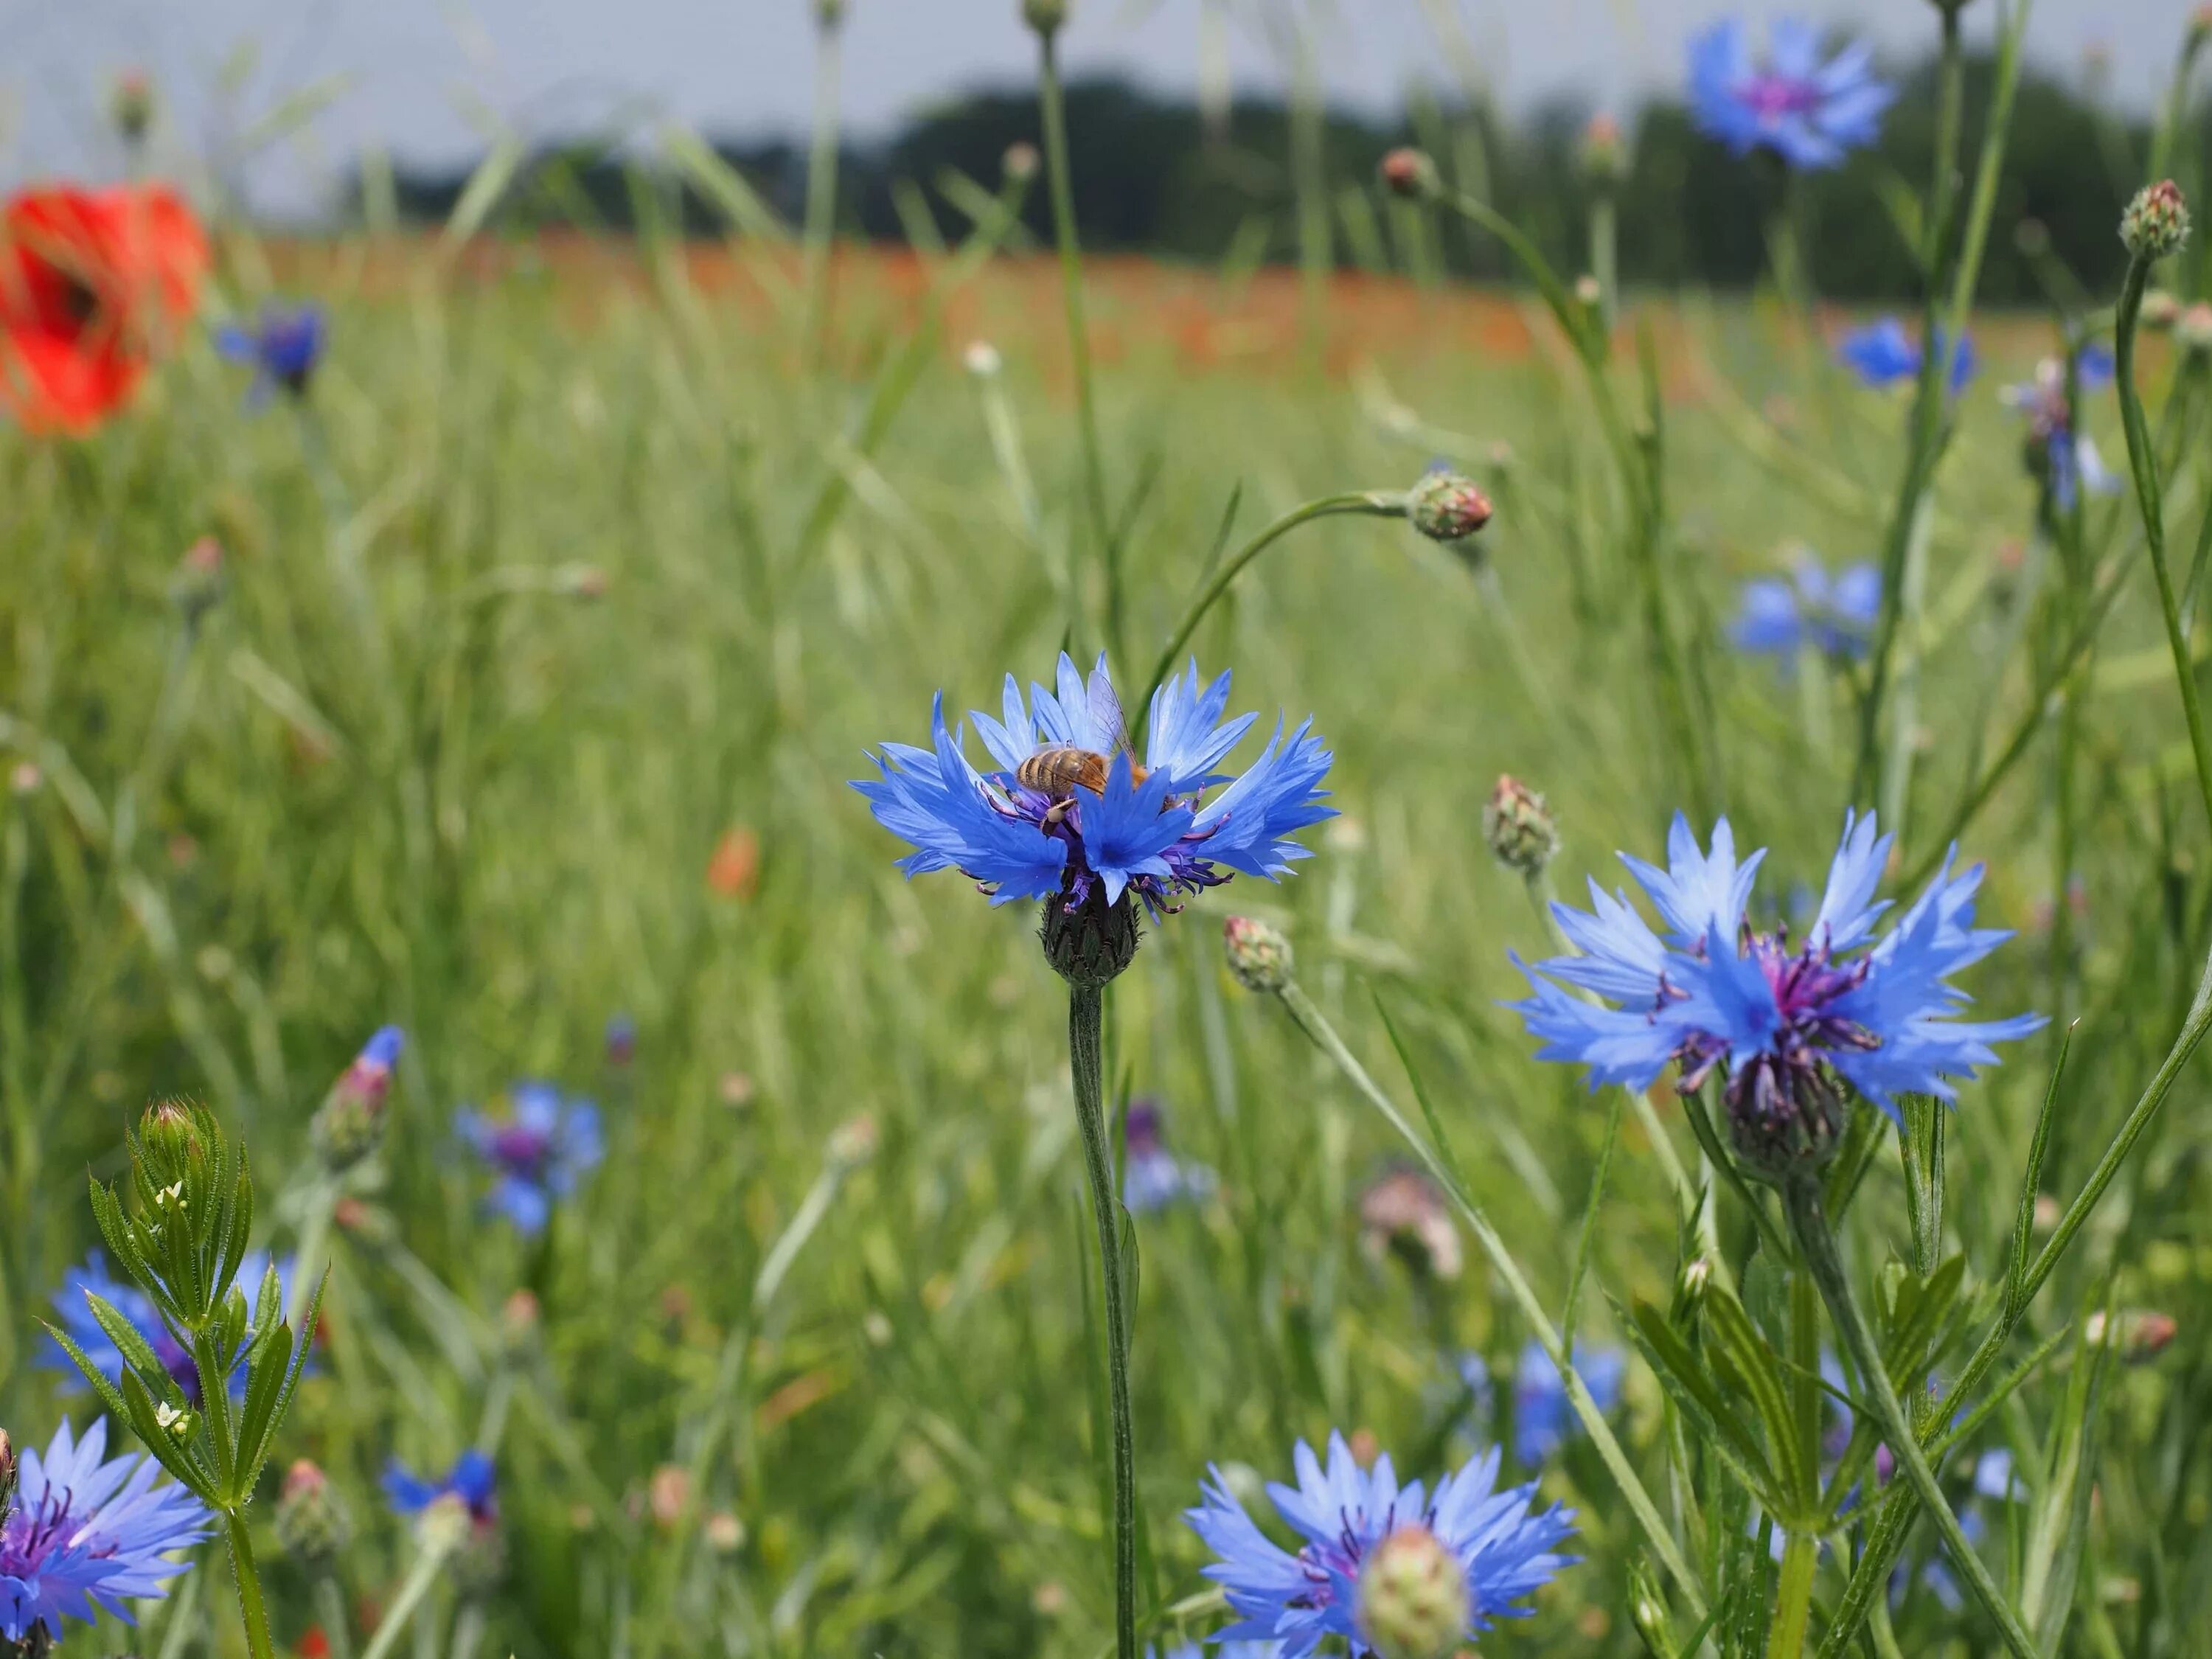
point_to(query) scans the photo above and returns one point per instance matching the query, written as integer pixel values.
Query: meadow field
(504, 679)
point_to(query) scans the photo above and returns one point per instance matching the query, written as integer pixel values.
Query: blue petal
(1247, 825)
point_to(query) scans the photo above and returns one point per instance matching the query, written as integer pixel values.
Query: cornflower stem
(1793, 1600)
(1053, 116)
(1605, 253)
(252, 1609)
(1802, 1199)
(429, 1559)
(1085, 1029)
(1316, 1026)
(315, 1239)
(821, 193)
(1371, 504)
(331, 1608)
(2143, 463)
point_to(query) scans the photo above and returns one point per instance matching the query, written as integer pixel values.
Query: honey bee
(1059, 769)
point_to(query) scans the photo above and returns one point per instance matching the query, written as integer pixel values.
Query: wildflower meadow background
(726, 940)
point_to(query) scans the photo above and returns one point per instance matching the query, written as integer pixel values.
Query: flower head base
(1811, 610)
(1411, 175)
(1260, 957)
(539, 1150)
(1789, 1027)
(1412, 1597)
(1046, 17)
(1071, 815)
(1447, 508)
(87, 1535)
(282, 349)
(1518, 824)
(2156, 222)
(1403, 1214)
(469, 1486)
(1808, 112)
(1152, 1177)
(1503, 1548)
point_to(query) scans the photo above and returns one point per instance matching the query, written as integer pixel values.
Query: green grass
(483, 804)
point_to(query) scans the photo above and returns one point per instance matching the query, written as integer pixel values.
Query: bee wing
(1106, 714)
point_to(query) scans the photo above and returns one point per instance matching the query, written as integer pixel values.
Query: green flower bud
(2156, 222)
(131, 106)
(1047, 17)
(1519, 826)
(312, 1520)
(1447, 508)
(1412, 1597)
(1259, 956)
(1647, 1611)
(1604, 151)
(829, 13)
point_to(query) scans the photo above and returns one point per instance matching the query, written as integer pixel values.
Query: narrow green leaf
(2023, 1226)
(139, 1411)
(101, 1386)
(1683, 1377)
(137, 1353)
(1748, 1362)
(257, 1422)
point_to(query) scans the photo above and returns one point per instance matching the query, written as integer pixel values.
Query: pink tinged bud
(1519, 827)
(1403, 1214)
(2156, 222)
(1410, 174)
(2160, 311)
(1259, 956)
(1021, 162)
(7, 1475)
(1447, 508)
(669, 1495)
(2192, 330)
(1412, 1597)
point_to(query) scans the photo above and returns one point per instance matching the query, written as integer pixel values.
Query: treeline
(1150, 177)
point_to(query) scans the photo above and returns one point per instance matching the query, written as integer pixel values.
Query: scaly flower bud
(131, 106)
(1412, 1597)
(1447, 508)
(2160, 311)
(198, 586)
(2156, 222)
(312, 1520)
(2192, 330)
(350, 1124)
(1411, 174)
(1403, 1214)
(1259, 956)
(1647, 1611)
(1519, 827)
(2199, 30)
(1047, 17)
(518, 1317)
(852, 1142)
(1604, 152)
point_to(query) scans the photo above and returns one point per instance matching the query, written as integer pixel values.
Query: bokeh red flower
(94, 285)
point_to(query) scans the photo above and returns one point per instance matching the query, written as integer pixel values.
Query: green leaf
(138, 1410)
(137, 1353)
(2023, 1226)
(257, 1422)
(482, 193)
(101, 1386)
(1702, 1401)
(250, 1468)
(1748, 1363)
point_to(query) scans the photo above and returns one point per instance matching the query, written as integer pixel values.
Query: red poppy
(93, 285)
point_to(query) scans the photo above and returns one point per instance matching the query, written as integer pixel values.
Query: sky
(428, 79)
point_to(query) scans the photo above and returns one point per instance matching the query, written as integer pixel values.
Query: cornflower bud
(1519, 826)
(1403, 1214)
(197, 585)
(829, 13)
(1647, 1611)
(1021, 162)
(2160, 311)
(1410, 174)
(350, 1124)
(131, 106)
(1047, 17)
(2137, 1334)
(1259, 956)
(1090, 942)
(1604, 152)
(852, 1142)
(1447, 508)
(2192, 330)
(1412, 1597)
(2156, 222)
(312, 1520)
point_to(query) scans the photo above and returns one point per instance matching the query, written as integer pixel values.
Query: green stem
(1793, 1604)
(315, 1239)
(2142, 462)
(1801, 1198)
(336, 1620)
(1311, 1021)
(1085, 1024)
(1053, 118)
(421, 1576)
(1374, 504)
(821, 191)
(1605, 256)
(250, 1607)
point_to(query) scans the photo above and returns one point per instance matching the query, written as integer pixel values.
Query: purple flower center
(1063, 821)
(1774, 98)
(522, 1151)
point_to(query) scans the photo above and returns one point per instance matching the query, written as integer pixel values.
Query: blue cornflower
(2059, 455)
(75, 1315)
(1807, 112)
(1883, 355)
(542, 1146)
(1122, 828)
(88, 1535)
(282, 347)
(1834, 615)
(1502, 1545)
(1782, 1024)
(469, 1480)
(1153, 1177)
(1542, 1419)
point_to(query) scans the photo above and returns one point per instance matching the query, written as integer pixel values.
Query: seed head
(1259, 956)
(1412, 1597)
(1410, 174)
(1519, 826)
(1447, 508)
(2160, 311)
(1047, 17)
(312, 1520)
(2156, 222)
(2192, 330)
